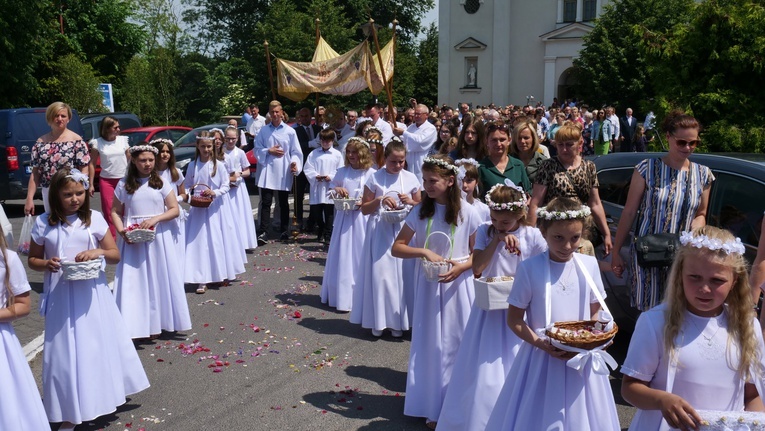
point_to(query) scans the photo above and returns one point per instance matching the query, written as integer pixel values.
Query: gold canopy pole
(270, 72)
(382, 71)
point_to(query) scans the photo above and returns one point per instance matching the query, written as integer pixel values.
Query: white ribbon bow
(598, 359)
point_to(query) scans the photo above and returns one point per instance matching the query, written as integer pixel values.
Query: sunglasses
(683, 143)
(497, 126)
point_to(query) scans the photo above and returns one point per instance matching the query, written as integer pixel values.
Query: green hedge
(721, 136)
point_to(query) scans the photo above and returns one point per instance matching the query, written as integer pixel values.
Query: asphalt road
(265, 354)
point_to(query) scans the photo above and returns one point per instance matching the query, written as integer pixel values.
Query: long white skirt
(542, 393)
(441, 312)
(89, 362)
(343, 259)
(148, 285)
(378, 298)
(21, 407)
(485, 356)
(211, 254)
(242, 213)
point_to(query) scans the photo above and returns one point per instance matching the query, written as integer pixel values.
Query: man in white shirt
(255, 122)
(374, 110)
(343, 132)
(279, 160)
(352, 116)
(611, 116)
(419, 137)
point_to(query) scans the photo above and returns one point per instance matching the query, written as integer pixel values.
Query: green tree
(611, 69)
(76, 83)
(102, 32)
(26, 32)
(139, 89)
(713, 66)
(426, 90)
(159, 23)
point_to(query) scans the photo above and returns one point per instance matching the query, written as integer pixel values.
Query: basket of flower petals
(394, 215)
(582, 334)
(199, 200)
(135, 234)
(491, 292)
(712, 420)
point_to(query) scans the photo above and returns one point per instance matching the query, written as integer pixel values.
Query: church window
(569, 10)
(590, 10)
(471, 6)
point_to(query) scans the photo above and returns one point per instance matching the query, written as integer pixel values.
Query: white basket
(434, 270)
(491, 293)
(733, 420)
(77, 271)
(345, 204)
(140, 235)
(394, 216)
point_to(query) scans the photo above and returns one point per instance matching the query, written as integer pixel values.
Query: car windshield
(135, 138)
(190, 139)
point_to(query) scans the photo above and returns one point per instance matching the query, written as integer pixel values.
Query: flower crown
(142, 148)
(358, 139)
(581, 213)
(374, 141)
(371, 129)
(703, 241)
(161, 141)
(205, 138)
(215, 129)
(467, 162)
(79, 177)
(442, 163)
(519, 204)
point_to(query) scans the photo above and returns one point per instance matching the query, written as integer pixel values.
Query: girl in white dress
(228, 206)
(379, 299)
(702, 348)
(345, 249)
(441, 308)
(541, 391)
(239, 168)
(21, 407)
(148, 284)
(212, 253)
(468, 176)
(89, 362)
(166, 169)
(489, 347)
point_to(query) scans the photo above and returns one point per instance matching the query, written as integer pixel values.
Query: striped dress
(670, 202)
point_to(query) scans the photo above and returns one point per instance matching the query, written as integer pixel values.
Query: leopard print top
(574, 183)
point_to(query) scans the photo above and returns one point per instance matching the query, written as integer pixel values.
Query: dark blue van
(19, 130)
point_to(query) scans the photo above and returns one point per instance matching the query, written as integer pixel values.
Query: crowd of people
(415, 215)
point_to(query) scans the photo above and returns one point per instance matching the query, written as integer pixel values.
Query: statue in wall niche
(471, 75)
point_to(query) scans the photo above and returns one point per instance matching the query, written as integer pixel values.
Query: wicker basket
(140, 235)
(434, 270)
(491, 293)
(579, 334)
(731, 420)
(200, 201)
(77, 271)
(345, 204)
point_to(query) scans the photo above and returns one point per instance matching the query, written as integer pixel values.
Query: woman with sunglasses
(498, 165)
(601, 131)
(111, 152)
(668, 195)
(567, 174)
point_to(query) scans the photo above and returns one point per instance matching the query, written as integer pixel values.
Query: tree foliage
(76, 83)
(611, 68)
(25, 32)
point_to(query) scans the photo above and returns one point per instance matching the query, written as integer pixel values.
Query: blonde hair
(741, 314)
(7, 277)
(53, 108)
(365, 155)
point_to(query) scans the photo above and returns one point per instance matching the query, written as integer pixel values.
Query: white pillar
(549, 83)
(598, 8)
(579, 10)
(501, 70)
(560, 11)
(445, 54)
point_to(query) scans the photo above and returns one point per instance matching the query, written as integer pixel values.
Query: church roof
(470, 44)
(575, 30)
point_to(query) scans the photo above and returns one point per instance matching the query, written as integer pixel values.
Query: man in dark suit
(627, 130)
(306, 131)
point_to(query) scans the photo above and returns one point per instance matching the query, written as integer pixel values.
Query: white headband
(703, 241)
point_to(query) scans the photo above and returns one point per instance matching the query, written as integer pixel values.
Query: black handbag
(657, 250)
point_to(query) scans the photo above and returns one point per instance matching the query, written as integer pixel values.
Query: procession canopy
(332, 73)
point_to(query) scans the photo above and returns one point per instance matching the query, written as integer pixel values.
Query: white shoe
(66, 426)
(377, 333)
(396, 333)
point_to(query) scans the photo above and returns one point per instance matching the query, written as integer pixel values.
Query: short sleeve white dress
(89, 361)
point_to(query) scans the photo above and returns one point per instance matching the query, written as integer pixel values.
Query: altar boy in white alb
(419, 137)
(279, 160)
(320, 168)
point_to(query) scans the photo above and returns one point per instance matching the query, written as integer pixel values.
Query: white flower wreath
(142, 148)
(703, 241)
(581, 213)
(442, 163)
(519, 204)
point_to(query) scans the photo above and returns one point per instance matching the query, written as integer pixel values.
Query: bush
(722, 136)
